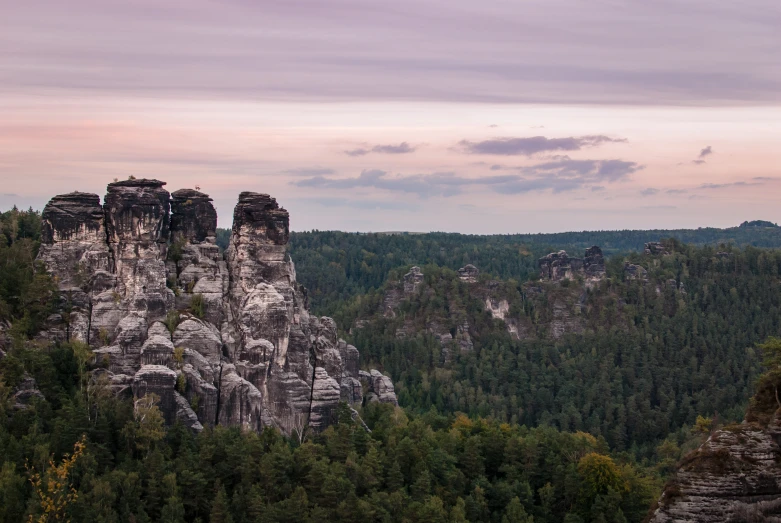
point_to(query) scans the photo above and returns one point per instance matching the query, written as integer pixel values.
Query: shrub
(198, 305)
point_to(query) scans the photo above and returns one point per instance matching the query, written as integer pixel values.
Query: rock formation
(219, 339)
(655, 248)
(635, 272)
(558, 266)
(26, 393)
(735, 475)
(594, 262)
(468, 274)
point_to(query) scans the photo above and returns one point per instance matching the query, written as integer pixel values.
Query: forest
(335, 266)
(647, 360)
(581, 427)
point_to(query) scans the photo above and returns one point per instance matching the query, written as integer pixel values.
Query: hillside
(565, 395)
(79, 444)
(631, 356)
(336, 266)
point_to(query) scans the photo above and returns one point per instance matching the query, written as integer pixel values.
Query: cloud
(343, 50)
(497, 167)
(533, 145)
(706, 151)
(561, 176)
(310, 171)
(661, 207)
(649, 191)
(676, 191)
(362, 204)
(585, 170)
(757, 180)
(402, 148)
(597, 188)
(698, 162)
(424, 185)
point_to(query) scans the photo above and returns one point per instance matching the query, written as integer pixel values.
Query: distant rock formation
(409, 284)
(594, 262)
(219, 339)
(468, 273)
(655, 249)
(412, 280)
(635, 272)
(558, 266)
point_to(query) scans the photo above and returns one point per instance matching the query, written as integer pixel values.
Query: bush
(198, 305)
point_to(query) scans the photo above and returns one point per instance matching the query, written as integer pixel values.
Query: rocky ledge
(219, 338)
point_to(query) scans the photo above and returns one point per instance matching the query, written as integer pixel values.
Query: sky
(492, 116)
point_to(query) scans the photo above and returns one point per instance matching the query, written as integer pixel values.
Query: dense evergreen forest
(335, 266)
(583, 426)
(636, 362)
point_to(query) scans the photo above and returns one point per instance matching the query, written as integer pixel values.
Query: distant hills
(758, 223)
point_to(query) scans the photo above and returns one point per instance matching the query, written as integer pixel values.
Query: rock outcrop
(25, 393)
(218, 338)
(635, 272)
(380, 387)
(735, 475)
(558, 266)
(655, 249)
(468, 273)
(594, 262)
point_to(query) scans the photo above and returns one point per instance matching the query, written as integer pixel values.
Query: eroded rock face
(193, 217)
(380, 387)
(220, 339)
(137, 229)
(558, 266)
(594, 262)
(74, 250)
(733, 476)
(469, 273)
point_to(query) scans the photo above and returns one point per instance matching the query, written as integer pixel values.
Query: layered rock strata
(218, 338)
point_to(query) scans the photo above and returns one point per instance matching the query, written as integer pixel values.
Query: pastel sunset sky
(491, 116)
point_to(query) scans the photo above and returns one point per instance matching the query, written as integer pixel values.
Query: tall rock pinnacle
(218, 338)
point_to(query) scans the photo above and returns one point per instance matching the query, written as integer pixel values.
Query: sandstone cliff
(219, 338)
(735, 476)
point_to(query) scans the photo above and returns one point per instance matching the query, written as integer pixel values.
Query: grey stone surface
(245, 350)
(733, 476)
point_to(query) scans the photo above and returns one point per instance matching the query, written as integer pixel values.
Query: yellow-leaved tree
(53, 486)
